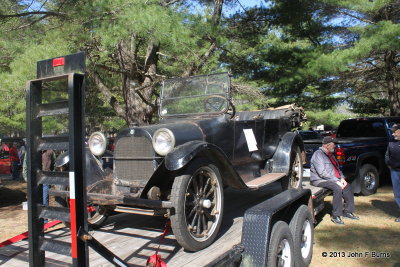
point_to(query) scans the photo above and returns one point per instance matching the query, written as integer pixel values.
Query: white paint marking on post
(72, 185)
(250, 139)
(115, 260)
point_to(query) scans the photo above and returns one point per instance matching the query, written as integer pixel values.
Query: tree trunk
(137, 84)
(392, 83)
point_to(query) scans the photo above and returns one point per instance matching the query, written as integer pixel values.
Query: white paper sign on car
(250, 139)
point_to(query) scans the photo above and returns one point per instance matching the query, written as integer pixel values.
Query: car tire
(295, 177)
(280, 249)
(197, 197)
(369, 179)
(97, 215)
(302, 229)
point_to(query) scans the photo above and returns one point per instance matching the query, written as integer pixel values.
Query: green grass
(371, 241)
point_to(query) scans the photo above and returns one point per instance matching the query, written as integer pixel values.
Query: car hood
(183, 130)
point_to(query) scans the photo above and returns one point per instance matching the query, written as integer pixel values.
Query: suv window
(309, 135)
(361, 128)
(391, 122)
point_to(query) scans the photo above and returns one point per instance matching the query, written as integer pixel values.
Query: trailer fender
(281, 158)
(182, 155)
(259, 220)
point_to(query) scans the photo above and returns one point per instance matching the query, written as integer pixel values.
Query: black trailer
(276, 232)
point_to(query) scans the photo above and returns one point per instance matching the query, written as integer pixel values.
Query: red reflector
(340, 155)
(58, 62)
(339, 152)
(90, 209)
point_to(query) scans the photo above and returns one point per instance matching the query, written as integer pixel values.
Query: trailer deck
(136, 237)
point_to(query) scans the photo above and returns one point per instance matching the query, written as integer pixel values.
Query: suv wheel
(369, 179)
(197, 197)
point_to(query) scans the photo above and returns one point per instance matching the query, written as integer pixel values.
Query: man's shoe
(350, 215)
(337, 220)
(397, 219)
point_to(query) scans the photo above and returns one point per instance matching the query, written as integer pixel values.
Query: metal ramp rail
(37, 109)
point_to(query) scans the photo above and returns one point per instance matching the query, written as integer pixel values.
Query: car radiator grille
(134, 159)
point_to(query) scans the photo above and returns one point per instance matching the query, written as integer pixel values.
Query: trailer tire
(280, 250)
(198, 201)
(369, 179)
(295, 177)
(302, 230)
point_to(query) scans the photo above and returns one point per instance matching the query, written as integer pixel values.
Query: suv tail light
(340, 156)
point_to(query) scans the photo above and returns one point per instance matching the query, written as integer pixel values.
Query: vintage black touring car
(180, 167)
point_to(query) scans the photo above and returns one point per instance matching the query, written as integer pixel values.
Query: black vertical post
(34, 159)
(77, 163)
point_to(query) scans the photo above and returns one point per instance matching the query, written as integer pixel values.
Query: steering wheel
(214, 103)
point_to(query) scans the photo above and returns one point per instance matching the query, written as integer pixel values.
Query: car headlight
(163, 141)
(97, 143)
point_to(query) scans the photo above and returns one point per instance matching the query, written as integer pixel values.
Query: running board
(148, 212)
(265, 179)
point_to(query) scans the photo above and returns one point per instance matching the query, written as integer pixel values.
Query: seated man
(325, 173)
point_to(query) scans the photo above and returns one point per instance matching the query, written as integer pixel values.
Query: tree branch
(46, 13)
(355, 17)
(108, 95)
(166, 3)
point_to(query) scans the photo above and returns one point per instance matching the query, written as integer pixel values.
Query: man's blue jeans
(395, 175)
(45, 194)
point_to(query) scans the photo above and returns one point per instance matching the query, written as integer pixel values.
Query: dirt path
(13, 220)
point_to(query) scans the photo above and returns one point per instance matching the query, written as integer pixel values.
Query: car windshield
(195, 95)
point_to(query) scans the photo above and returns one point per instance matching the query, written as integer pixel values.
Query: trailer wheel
(302, 230)
(369, 179)
(295, 177)
(197, 198)
(280, 250)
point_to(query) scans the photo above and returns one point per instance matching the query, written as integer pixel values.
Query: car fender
(182, 155)
(372, 158)
(93, 169)
(281, 158)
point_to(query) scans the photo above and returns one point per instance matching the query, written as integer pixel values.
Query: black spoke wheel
(96, 215)
(295, 177)
(197, 198)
